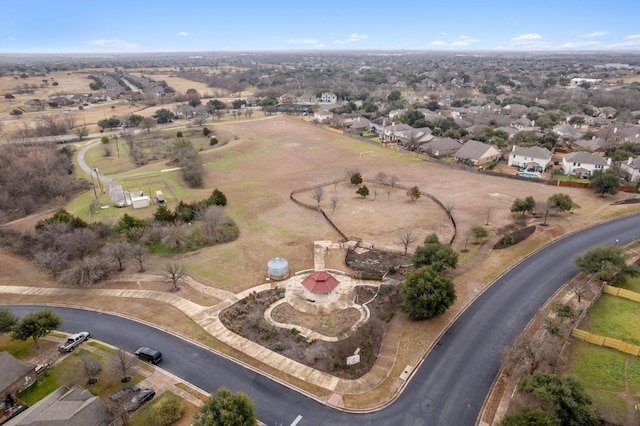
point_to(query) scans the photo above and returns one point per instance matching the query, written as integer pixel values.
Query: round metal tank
(278, 268)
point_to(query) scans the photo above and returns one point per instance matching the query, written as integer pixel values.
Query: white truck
(73, 341)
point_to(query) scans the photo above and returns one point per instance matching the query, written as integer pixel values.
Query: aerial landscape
(356, 218)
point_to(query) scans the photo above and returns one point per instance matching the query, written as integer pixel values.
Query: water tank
(278, 268)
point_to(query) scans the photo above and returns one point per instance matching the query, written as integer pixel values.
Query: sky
(117, 26)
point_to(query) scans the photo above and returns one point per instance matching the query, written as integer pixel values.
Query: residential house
(566, 131)
(396, 113)
(328, 98)
(508, 130)
(525, 125)
(66, 406)
(441, 147)
(477, 153)
(412, 138)
(630, 169)
(515, 110)
(322, 116)
(13, 373)
(287, 98)
(356, 124)
(531, 158)
(597, 145)
(583, 164)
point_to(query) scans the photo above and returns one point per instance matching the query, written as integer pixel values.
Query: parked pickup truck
(73, 341)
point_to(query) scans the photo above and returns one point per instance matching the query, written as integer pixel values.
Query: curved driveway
(449, 387)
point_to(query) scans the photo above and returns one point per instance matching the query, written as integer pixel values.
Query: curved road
(448, 388)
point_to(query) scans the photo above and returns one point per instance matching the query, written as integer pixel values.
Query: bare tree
(381, 178)
(317, 194)
(393, 180)
(406, 236)
(53, 261)
(488, 216)
(117, 251)
(334, 203)
(174, 273)
(85, 272)
(579, 290)
(389, 191)
(92, 367)
(211, 218)
(139, 253)
(126, 361)
(175, 235)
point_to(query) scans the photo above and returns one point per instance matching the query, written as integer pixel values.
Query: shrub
(508, 240)
(563, 310)
(278, 346)
(392, 269)
(295, 331)
(213, 141)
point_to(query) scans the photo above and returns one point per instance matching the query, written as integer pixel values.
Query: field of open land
(264, 159)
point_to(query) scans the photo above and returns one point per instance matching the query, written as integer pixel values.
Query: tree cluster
(31, 326)
(32, 176)
(426, 292)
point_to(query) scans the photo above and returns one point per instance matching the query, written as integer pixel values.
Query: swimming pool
(529, 174)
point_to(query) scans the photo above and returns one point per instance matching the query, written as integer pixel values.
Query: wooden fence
(621, 292)
(607, 342)
(604, 341)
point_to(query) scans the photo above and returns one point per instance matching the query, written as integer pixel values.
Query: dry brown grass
(259, 169)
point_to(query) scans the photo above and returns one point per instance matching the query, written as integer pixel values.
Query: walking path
(208, 318)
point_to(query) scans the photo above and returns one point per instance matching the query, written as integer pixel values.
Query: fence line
(607, 342)
(621, 292)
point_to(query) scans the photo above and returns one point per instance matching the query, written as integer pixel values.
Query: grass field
(611, 378)
(615, 317)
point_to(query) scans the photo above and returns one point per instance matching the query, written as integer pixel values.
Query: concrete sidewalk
(208, 318)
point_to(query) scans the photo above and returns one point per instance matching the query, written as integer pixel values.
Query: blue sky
(73, 26)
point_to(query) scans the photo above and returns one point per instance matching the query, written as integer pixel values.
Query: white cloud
(357, 37)
(529, 41)
(462, 41)
(183, 34)
(632, 37)
(302, 40)
(113, 43)
(352, 38)
(594, 34)
(526, 38)
(581, 44)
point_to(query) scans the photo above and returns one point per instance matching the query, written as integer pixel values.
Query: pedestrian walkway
(208, 318)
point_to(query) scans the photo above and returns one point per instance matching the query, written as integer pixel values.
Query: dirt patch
(329, 325)
(246, 318)
(373, 263)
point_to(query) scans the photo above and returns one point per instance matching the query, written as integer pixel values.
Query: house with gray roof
(476, 153)
(530, 158)
(583, 164)
(66, 407)
(631, 169)
(566, 131)
(12, 373)
(597, 145)
(441, 147)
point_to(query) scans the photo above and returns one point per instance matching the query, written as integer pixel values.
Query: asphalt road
(449, 387)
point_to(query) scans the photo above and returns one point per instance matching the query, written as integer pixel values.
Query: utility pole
(95, 193)
(98, 177)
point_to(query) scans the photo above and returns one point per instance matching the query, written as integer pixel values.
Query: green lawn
(630, 283)
(70, 371)
(144, 416)
(605, 373)
(615, 317)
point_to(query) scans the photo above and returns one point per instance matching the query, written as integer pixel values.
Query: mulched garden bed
(372, 263)
(518, 235)
(246, 319)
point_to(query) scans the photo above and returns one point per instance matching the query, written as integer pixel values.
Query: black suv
(148, 354)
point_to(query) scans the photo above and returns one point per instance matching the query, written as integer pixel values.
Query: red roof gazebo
(320, 282)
